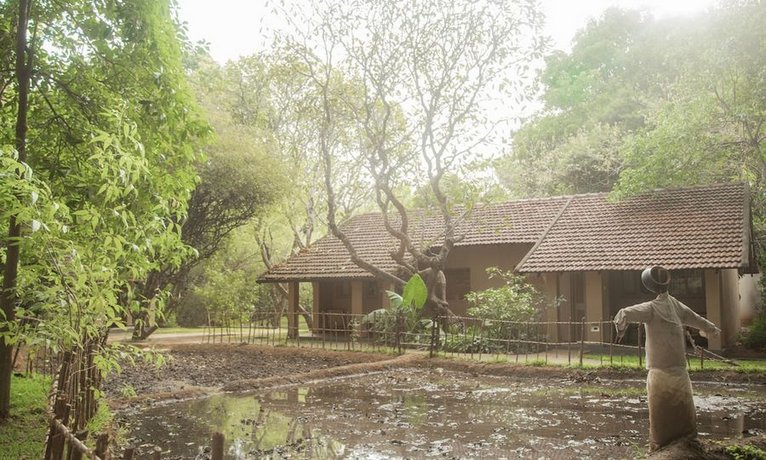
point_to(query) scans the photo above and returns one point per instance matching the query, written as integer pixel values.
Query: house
(585, 248)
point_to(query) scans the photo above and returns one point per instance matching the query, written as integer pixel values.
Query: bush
(755, 336)
(746, 453)
(516, 300)
(191, 312)
(469, 343)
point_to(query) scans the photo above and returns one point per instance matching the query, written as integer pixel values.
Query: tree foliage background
(642, 103)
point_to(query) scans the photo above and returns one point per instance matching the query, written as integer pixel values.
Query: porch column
(713, 305)
(357, 291)
(594, 305)
(550, 293)
(315, 306)
(731, 308)
(293, 296)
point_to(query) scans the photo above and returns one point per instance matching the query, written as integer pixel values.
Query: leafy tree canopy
(631, 81)
(641, 103)
(113, 135)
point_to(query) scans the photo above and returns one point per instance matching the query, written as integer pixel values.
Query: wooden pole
(582, 339)
(102, 446)
(217, 446)
(76, 452)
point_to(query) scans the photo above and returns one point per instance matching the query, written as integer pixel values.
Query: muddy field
(436, 413)
(312, 403)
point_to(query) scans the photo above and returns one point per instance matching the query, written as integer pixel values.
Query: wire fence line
(538, 342)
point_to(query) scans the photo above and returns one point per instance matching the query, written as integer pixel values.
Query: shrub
(516, 300)
(746, 453)
(469, 341)
(755, 336)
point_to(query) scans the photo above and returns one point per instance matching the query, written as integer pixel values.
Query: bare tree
(428, 76)
(277, 87)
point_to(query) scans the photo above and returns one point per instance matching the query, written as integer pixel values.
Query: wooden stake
(217, 446)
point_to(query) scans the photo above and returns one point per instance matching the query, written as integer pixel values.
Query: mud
(304, 403)
(436, 412)
(194, 369)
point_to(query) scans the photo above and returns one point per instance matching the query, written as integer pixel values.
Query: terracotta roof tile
(520, 221)
(700, 227)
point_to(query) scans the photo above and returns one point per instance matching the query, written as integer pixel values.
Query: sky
(235, 28)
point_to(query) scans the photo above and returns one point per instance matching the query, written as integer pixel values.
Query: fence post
(217, 452)
(59, 441)
(76, 452)
(702, 358)
(128, 453)
(582, 339)
(640, 357)
(102, 446)
(434, 330)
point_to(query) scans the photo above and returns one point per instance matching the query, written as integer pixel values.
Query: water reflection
(416, 413)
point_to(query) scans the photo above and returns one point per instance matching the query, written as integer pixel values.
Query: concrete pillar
(594, 305)
(730, 307)
(315, 306)
(564, 289)
(713, 304)
(357, 294)
(293, 297)
(551, 315)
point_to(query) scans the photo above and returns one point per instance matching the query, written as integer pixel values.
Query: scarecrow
(671, 408)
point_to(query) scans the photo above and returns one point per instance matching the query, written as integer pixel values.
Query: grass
(22, 436)
(628, 392)
(745, 366)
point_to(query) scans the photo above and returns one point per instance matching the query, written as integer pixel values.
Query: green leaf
(395, 299)
(415, 292)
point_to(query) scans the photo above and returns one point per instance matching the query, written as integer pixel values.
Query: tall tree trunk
(8, 295)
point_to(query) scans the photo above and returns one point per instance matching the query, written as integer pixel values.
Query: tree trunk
(10, 273)
(302, 310)
(155, 283)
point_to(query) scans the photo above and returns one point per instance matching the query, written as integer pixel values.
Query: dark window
(370, 289)
(342, 290)
(458, 283)
(687, 283)
(631, 282)
(578, 288)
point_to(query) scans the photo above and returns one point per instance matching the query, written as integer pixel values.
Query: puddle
(415, 413)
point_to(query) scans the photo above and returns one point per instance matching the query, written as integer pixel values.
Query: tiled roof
(520, 221)
(700, 227)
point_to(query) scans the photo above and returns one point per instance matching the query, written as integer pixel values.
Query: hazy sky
(234, 27)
